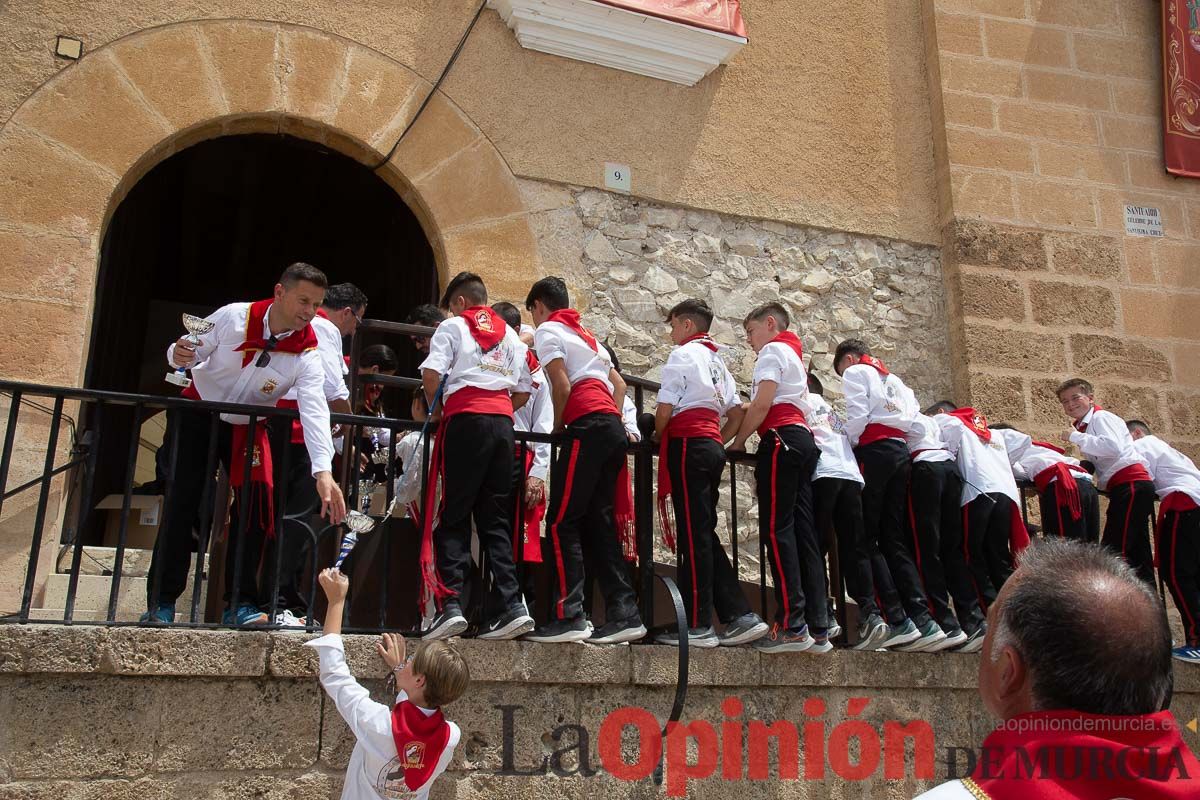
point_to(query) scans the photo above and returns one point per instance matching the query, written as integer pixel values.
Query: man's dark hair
(815, 386)
(303, 272)
(510, 313)
(379, 355)
(1074, 383)
(769, 310)
(426, 314)
(467, 284)
(1137, 425)
(344, 295)
(695, 310)
(940, 405)
(552, 291)
(1093, 635)
(850, 347)
(612, 356)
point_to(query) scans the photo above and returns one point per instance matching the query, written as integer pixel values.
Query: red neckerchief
(872, 361)
(975, 421)
(531, 361)
(791, 340)
(298, 342)
(570, 318)
(1050, 446)
(703, 338)
(1081, 426)
(1153, 762)
(323, 314)
(420, 741)
(486, 326)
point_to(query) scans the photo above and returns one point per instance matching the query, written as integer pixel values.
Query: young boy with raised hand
(696, 391)
(1067, 497)
(1104, 440)
(879, 411)
(398, 751)
(786, 457)
(587, 394)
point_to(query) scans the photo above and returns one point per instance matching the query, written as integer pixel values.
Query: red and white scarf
(420, 741)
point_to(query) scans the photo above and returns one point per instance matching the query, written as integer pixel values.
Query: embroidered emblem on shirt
(269, 386)
(484, 321)
(414, 752)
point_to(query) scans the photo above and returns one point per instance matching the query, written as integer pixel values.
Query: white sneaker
(287, 619)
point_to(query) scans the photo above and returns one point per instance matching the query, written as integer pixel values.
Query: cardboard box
(145, 514)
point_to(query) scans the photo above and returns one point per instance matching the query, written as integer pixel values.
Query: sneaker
(901, 633)
(781, 640)
(931, 636)
(446, 623)
(619, 632)
(163, 615)
(974, 642)
(743, 630)
(697, 637)
(821, 643)
(560, 630)
(835, 631)
(1189, 654)
(954, 638)
(245, 615)
(509, 625)
(871, 633)
(287, 619)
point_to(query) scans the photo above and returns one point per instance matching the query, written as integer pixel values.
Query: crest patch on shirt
(269, 386)
(414, 755)
(484, 321)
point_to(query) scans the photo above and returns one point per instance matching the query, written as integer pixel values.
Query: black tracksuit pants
(935, 523)
(583, 488)
(838, 515)
(477, 462)
(1056, 519)
(1127, 525)
(987, 526)
(301, 502)
(1179, 566)
(786, 459)
(885, 467)
(706, 576)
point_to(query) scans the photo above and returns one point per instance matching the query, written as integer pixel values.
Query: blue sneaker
(246, 614)
(1188, 654)
(163, 615)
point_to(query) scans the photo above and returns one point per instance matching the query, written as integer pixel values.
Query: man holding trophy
(252, 354)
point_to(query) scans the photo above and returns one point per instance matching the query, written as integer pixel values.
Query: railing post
(126, 501)
(10, 435)
(207, 501)
(243, 518)
(85, 506)
(169, 500)
(40, 518)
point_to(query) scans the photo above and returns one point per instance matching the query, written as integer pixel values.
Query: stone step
(101, 560)
(90, 615)
(92, 592)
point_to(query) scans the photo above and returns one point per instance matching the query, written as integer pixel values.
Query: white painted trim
(618, 38)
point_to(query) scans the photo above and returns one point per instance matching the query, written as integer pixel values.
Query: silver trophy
(357, 523)
(196, 327)
(366, 488)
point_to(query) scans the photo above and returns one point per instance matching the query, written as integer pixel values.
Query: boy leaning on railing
(399, 751)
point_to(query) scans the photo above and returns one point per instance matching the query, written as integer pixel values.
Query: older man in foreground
(1076, 665)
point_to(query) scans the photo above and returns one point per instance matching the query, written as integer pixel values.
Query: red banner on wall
(1181, 86)
(723, 16)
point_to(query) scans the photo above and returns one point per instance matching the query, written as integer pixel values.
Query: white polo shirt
(872, 397)
(553, 340)
(695, 376)
(829, 430)
(1029, 460)
(779, 364)
(924, 440)
(537, 416)
(454, 350)
(1172, 470)
(984, 467)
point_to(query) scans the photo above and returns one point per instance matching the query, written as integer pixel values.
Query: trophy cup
(196, 327)
(357, 523)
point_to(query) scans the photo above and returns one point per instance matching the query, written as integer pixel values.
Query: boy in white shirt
(1105, 441)
(696, 391)
(398, 751)
(1067, 497)
(1177, 482)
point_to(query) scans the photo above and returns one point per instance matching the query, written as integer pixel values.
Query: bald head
(1090, 634)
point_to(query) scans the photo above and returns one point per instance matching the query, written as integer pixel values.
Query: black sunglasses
(264, 358)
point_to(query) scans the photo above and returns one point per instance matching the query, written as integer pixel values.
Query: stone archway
(72, 150)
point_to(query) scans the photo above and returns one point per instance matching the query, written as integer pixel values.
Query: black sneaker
(780, 640)
(743, 630)
(974, 642)
(932, 635)
(871, 633)
(901, 633)
(509, 625)
(448, 622)
(696, 637)
(560, 630)
(625, 630)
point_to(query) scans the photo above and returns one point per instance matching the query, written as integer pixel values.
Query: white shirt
(779, 364)
(218, 376)
(696, 377)
(829, 430)
(925, 439)
(329, 345)
(874, 398)
(984, 467)
(950, 790)
(629, 419)
(537, 416)
(1028, 460)
(1107, 444)
(1172, 470)
(553, 340)
(454, 350)
(374, 755)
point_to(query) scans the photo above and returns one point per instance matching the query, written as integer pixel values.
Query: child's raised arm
(336, 585)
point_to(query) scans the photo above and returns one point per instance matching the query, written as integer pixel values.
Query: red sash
(872, 361)
(589, 396)
(781, 415)
(1018, 534)
(1066, 491)
(695, 423)
(487, 327)
(1134, 472)
(420, 741)
(529, 545)
(976, 422)
(473, 400)
(1071, 743)
(1050, 446)
(876, 432)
